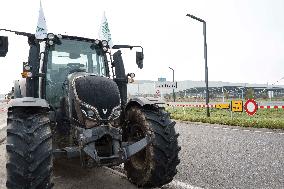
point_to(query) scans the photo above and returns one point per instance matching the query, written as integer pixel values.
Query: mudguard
(28, 101)
(143, 101)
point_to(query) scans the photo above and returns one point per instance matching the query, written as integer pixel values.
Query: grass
(264, 118)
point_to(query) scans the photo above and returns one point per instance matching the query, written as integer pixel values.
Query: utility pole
(205, 57)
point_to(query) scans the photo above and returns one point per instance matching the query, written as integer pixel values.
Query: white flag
(104, 32)
(41, 29)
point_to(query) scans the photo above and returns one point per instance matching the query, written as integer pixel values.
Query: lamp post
(174, 96)
(205, 57)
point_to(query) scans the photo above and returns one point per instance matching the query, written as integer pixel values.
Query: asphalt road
(215, 156)
(212, 156)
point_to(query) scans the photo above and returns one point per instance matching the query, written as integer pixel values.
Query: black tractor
(71, 102)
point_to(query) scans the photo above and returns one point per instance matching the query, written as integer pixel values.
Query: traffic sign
(162, 79)
(158, 93)
(222, 106)
(251, 107)
(237, 106)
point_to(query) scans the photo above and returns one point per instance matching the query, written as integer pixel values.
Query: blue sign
(162, 79)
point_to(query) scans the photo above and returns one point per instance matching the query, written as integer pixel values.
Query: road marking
(173, 184)
(178, 184)
(245, 130)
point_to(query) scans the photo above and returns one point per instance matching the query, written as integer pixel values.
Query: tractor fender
(28, 101)
(145, 101)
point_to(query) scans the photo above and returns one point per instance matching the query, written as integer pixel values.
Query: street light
(205, 57)
(174, 96)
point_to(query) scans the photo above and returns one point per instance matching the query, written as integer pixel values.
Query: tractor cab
(67, 55)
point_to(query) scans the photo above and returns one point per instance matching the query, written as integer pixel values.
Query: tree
(249, 93)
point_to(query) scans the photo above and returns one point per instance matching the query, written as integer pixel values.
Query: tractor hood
(95, 97)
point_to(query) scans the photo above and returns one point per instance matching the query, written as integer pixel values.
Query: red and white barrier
(271, 107)
(193, 105)
(214, 106)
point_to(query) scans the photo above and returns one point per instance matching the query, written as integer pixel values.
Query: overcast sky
(245, 37)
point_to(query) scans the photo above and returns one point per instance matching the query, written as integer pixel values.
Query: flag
(41, 29)
(104, 32)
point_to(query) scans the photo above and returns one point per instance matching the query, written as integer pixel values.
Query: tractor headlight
(50, 42)
(50, 36)
(97, 41)
(116, 112)
(105, 49)
(104, 43)
(27, 68)
(90, 113)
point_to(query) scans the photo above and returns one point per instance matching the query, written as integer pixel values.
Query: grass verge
(264, 118)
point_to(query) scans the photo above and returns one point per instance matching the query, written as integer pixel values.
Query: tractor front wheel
(29, 148)
(156, 164)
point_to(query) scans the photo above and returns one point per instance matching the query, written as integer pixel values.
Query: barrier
(214, 106)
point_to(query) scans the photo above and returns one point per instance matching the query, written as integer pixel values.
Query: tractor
(71, 103)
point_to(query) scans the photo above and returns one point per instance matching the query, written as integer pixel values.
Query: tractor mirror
(139, 59)
(3, 46)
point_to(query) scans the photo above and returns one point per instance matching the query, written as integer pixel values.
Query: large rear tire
(156, 164)
(29, 149)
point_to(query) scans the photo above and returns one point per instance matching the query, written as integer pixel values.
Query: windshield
(75, 55)
(69, 57)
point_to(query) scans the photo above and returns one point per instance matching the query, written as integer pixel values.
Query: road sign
(222, 106)
(251, 107)
(166, 85)
(162, 79)
(158, 93)
(237, 106)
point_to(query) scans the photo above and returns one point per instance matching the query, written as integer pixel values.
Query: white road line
(257, 131)
(245, 130)
(183, 185)
(173, 184)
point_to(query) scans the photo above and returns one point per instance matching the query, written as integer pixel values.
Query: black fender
(146, 102)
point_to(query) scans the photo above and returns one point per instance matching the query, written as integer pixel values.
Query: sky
(244, 37)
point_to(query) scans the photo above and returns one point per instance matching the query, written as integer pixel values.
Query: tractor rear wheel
(29, 148)
(156, 164)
